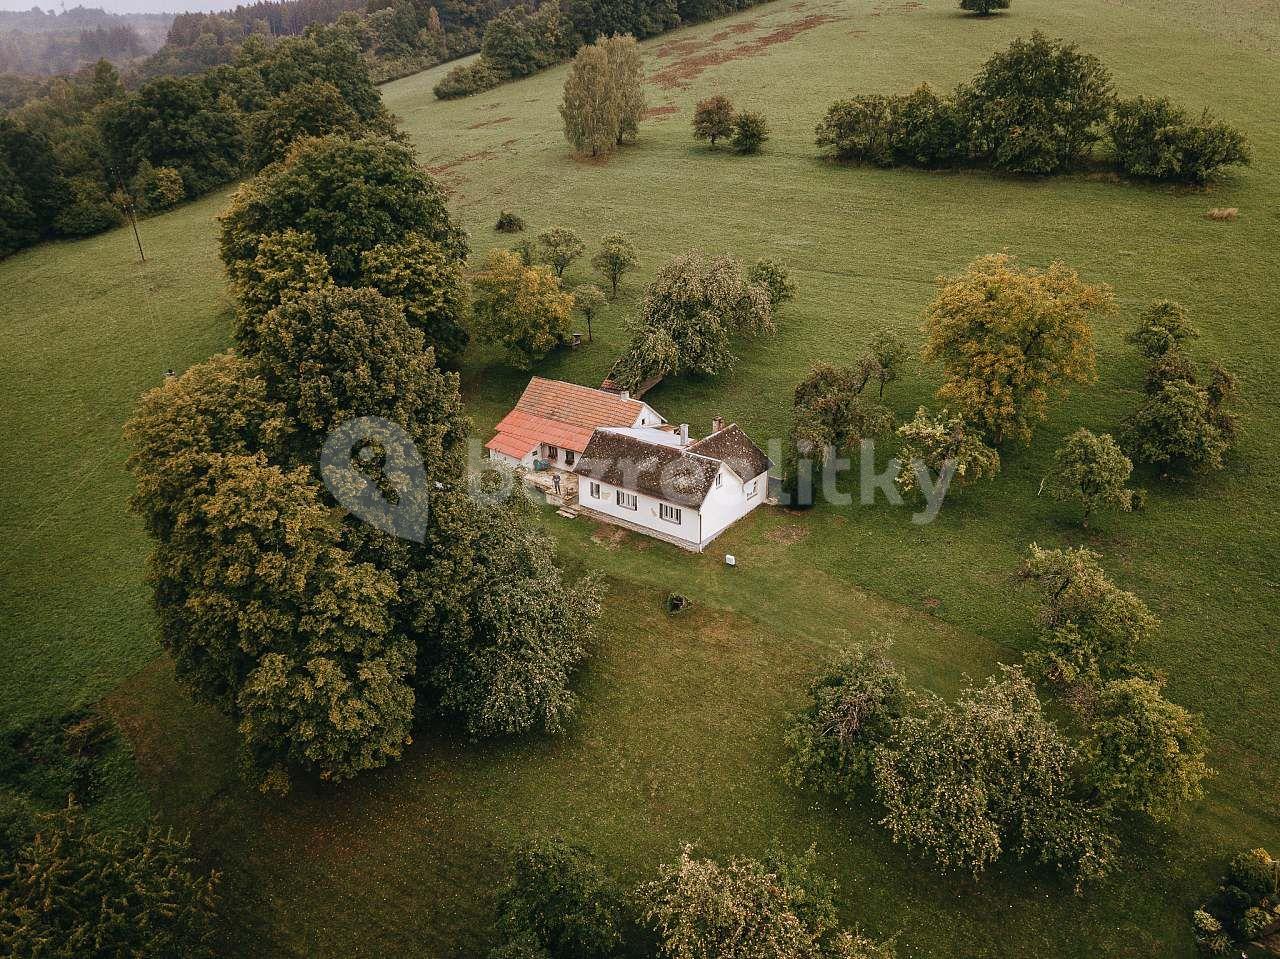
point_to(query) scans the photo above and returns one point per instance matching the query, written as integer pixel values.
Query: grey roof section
(670, 473)
(681, 475)
(734, 448)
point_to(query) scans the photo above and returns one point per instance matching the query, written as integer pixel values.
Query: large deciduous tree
(312, 109)
(521, 307)
(588, 108)
(1008, 339)
(626, 84)
(427, 280)
(1037, 107)
(349, 195)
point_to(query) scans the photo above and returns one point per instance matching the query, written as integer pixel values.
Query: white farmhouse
(658, 482)
(615, 458)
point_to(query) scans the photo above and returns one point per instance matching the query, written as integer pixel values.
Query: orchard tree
(781, 908)
(774, 277)
(428, 282)
(560, 247)
(990, 774)
(1009, 339)
(617, 257)
(943, 443)
(349, 195)
(713, 119)
(750, 131)
(1182, 425)
(592, 121)
(890, 354)
(1145, 755)
(523, 308)
(1091, 631)
(560, 901)
(853, 708)
(984, 8)
(1093, 471)
(1162, 329)
(690, 314)
(830, 413)
(589, 300)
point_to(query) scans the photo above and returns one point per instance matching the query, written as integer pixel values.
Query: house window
(670, 513)
(568, 457)
(627, 500)
(753, 489)
(553, 453)
(718, 479)
(595, 490)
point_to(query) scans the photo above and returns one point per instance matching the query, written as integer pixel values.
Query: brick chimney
(717, 424)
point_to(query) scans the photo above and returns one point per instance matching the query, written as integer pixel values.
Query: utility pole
(128, 211)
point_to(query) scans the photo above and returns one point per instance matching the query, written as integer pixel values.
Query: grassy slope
(679, 734)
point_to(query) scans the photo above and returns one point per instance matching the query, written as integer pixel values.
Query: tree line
(522, 39)
(35, 43)
(1037, 108)
(75, 162)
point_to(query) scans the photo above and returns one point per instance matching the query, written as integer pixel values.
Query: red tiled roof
(562, 414)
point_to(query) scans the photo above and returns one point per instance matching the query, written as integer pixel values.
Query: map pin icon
(372, 467)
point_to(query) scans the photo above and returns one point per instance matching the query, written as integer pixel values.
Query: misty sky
(124, 6)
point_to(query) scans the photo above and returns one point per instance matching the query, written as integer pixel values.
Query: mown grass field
(680, 726)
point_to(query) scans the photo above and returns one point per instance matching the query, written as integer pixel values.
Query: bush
(466, 79)
(859, 129)
(89, 211)
(926, 130)
(77, 892)
(157, 188)
(509, 222)
(52, 759)
(1156, 139)
(984, 8)
(750, 130)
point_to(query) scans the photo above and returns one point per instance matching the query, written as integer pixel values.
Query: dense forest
(228, 92)
(36, 43)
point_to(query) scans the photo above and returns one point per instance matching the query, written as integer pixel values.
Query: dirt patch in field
(787, 535)
(698, 58)
(610, 537)
(490, 123)
(661, 111)
(461, 161)
(681, 48)
(737, 30)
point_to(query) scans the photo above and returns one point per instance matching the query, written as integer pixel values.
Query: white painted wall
(645, 514)
(511, 461)
(728, 502)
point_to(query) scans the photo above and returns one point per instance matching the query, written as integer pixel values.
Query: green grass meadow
(679, 734)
